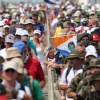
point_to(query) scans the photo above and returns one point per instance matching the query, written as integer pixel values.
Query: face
(8, 45)
(93, 69)
(51, 55)
(88, 58)
(37, 36)
(35, 19)
(29, 26)
(7, 29)
(67, 28)
(74, 61)
(10, 74)
(18, 37)
(20, 77)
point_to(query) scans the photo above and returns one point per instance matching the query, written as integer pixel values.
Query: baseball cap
(20, 45)
(19, 31)
(37, 32)
(92, 13)
(3, 95)
(96, 37)
(91, 53)
(13, 52)
(25, 32)
(90, 48)
(29, 21)
(75, 54)
(10, 38)
(6, 26)
(10, 65)
(20, 65)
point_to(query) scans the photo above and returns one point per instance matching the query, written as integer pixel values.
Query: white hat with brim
(24, 32)
(19, 31)
(6, 26)
(1, 23)
(28, 21)
(37, 32)
(10, 65)
(91, 54)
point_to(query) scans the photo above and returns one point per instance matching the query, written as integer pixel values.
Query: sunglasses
(10, 70)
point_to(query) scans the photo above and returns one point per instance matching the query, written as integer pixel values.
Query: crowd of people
(24, 55)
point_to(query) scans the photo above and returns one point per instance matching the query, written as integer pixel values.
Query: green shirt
(38, 94)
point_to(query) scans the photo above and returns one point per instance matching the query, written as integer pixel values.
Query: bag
(30, 85)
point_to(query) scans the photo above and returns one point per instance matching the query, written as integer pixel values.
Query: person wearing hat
(29, 26)
(6, 29)
(40, 46)
(74, 67)
(30, 51)
(92, 89)
(9, 40)
(27, 80)
(32, 65)
(39, 26)
(10, 74)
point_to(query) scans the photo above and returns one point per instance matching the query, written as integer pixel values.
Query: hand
(40, 40)
(53, 65)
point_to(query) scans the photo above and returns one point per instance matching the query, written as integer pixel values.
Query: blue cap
(1, 67)
(20, 45)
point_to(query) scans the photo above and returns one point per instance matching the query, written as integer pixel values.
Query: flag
(49, 2)
(65, 44)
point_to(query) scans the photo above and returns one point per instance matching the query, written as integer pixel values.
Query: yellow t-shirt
(58, 29)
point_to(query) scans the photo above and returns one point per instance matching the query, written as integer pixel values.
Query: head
(9, 40)
(13, 53)
(37, 34)
(28, 25)
(94, 65)
(35, 18)
(91, 23)
(76, 58)
(10, 71)
(25, 40)
(20, 68)
(6, 29)
(22, 48)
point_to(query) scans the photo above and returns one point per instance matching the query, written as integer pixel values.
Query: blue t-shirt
(33, 46)
(40, 27)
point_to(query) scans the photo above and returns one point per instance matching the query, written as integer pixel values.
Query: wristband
(20, 94)
(62, 97)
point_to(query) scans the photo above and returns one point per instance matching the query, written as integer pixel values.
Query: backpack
(30, 85)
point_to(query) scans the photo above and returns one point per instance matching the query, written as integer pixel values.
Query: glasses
(10, 70)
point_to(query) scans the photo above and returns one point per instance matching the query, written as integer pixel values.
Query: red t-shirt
(34, 69)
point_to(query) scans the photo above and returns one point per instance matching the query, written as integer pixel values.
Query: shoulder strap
(30, 85)
(68, 70)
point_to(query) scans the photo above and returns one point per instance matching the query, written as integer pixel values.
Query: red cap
(3, 97)
(96, 37)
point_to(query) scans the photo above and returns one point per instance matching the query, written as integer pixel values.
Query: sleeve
(37, 90)
(42, 29)
(63, 78)
(40, 72)
(31, 45)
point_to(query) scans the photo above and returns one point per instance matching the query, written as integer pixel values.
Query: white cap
(7, 15)
(91, 53)
(92, 13)
(77, 13)
(10, 65)
(19, 31)
(90, 48)
(1, 23)
(24, 32)
(1, 34)
(37, 32)
(10, 38)
(6, 26)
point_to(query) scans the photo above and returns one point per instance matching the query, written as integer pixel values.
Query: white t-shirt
(3, 53)
(17, 87)
(70, 76)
